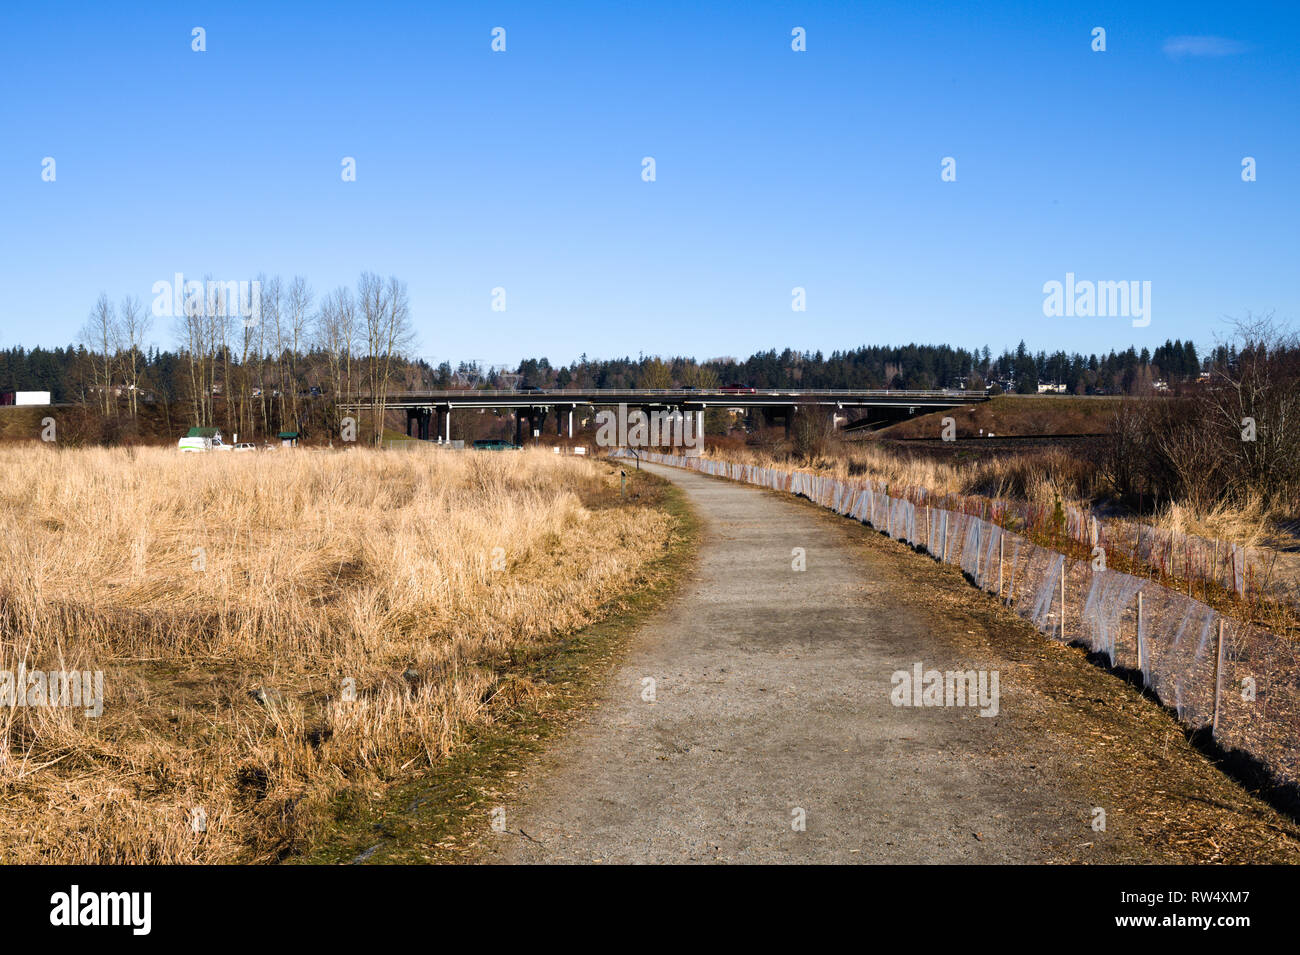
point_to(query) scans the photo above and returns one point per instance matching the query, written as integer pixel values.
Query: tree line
(259, 377)
(285, 368)
(911, 366)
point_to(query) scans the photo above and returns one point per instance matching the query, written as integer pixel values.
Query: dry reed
(382, 600)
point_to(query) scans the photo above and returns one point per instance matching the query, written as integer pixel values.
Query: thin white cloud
(1178, 47)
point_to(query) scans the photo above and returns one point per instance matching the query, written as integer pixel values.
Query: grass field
(1015, 416)
(280, 630)
(1045, 448)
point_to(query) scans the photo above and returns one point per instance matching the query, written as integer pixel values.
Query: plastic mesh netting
(1194, 659)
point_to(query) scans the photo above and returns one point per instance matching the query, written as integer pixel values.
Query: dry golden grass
(1006, 415)
(1246, 524)
(1040, 477)
(191, 580)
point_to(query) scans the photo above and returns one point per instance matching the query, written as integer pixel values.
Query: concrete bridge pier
(418, 423)
(784, 412)
(536, 417)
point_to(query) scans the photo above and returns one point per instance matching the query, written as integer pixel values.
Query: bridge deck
(682, 398)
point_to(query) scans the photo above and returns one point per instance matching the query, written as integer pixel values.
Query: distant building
(1048, 388)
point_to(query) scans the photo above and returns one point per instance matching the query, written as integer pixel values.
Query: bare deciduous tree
(132, 327)
(99, 335)
(386, 318)
(336, 332)
(273, 319)
(1233, 439)
(298, 308)
(811, 431)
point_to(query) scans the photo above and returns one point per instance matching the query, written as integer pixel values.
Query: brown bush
(1231, 440)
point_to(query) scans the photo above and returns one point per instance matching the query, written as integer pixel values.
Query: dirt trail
(772, 699)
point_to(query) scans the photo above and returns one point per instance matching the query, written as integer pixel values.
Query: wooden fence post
(1218, 680)
(1141, 656)
(1063, 599)
(1002, 540)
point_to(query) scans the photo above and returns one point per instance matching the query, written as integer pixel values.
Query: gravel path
(771, 703)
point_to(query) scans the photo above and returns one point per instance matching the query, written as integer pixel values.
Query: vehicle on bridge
(737, 389)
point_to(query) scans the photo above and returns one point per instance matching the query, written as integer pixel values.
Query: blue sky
(775, 169)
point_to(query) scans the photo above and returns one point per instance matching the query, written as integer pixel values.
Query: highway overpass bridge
(428, 413)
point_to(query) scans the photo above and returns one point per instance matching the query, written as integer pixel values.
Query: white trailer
(203, 439)
(31, 397)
